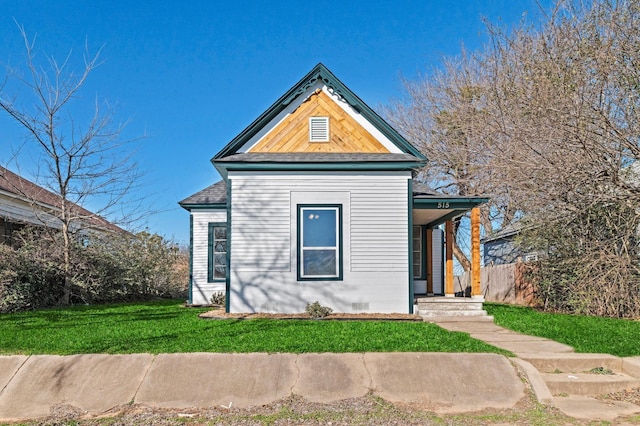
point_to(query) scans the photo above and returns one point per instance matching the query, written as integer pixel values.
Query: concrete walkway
(30, 387)
(502, 338)
(548, 363)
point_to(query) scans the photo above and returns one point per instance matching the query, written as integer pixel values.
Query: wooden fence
(501, 283)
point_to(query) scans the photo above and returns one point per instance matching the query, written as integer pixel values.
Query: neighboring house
(317, 203)
(22, 203)
(501, 247)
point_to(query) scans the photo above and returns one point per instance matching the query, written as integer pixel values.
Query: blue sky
(191, 75)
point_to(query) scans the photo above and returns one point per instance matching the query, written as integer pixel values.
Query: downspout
(190, 299)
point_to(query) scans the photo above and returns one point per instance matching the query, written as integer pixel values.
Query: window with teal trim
(217, 244)
(319, 242)
(417, 252)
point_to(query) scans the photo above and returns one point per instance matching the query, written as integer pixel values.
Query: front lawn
(166, 327)
(585, 334)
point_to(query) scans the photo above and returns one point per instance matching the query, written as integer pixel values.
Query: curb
(539, 387)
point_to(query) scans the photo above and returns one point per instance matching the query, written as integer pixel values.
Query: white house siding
(264, 241)
(15, 209)
(201, 289)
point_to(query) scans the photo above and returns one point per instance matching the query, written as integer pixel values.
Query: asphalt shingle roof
(22, 188)
(214, 194)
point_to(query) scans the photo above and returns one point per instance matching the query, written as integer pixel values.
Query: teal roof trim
(203, 206)
(319, 73)
(223, 168)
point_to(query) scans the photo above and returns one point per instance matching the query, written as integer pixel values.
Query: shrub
(218, 298)
(316, 310)
(108, 268)
(592, 261)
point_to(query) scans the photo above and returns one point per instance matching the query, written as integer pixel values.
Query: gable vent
(318, 129)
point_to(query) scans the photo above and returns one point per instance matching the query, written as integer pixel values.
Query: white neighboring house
(22, 202)
(317, 203)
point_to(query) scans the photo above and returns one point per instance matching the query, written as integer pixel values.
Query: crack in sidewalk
(15, 374)
(135, 394)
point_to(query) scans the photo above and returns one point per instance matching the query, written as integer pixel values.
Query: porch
(432, 286)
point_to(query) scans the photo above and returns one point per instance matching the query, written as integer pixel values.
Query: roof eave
(202, 206)
(225, 167)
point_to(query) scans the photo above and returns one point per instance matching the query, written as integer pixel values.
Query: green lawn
(166, 326)
(585, 334)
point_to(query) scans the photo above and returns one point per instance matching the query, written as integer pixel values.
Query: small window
(417, 252)
(217, 270)
(318, 129)
(319, 242)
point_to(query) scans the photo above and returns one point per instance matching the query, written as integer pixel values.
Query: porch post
(476, 290)
(448, 276)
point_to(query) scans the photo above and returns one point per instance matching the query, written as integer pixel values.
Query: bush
(218, 298)
(108, 268)
(316, 310)
(592, 261)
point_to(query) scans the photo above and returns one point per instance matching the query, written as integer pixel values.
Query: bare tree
(80, 161)
(546, 121)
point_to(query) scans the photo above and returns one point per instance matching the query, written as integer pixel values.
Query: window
(319, 242)
(318, 129)
(417, 252)
(217, 268)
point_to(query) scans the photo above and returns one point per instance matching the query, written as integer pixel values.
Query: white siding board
(201, 290)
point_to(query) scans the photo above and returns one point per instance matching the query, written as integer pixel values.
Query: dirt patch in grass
(221, 314)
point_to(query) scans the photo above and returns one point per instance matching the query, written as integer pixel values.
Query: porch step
(450, 303)
(452, 313)
(454, 319)
(588, 383)
(443, 305)
(450, 307)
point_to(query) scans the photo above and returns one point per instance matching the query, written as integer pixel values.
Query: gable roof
(15, 186)
(319, 74)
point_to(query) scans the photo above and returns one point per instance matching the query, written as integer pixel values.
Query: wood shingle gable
(346, 135)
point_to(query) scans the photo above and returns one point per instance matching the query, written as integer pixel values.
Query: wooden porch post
(476, 290)
(448, 288)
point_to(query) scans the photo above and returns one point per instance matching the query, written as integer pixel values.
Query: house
(23, 203)
(317, 202)
(501, 247)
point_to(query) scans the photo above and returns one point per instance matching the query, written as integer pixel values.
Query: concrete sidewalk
(549, 363)
(445, 383)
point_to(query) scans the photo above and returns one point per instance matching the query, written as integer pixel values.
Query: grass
(585, 334)
(167, 327)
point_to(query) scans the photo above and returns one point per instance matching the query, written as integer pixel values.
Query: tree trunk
(66, 294)
(462, 258)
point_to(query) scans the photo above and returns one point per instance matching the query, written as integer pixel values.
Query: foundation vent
(363, 306)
